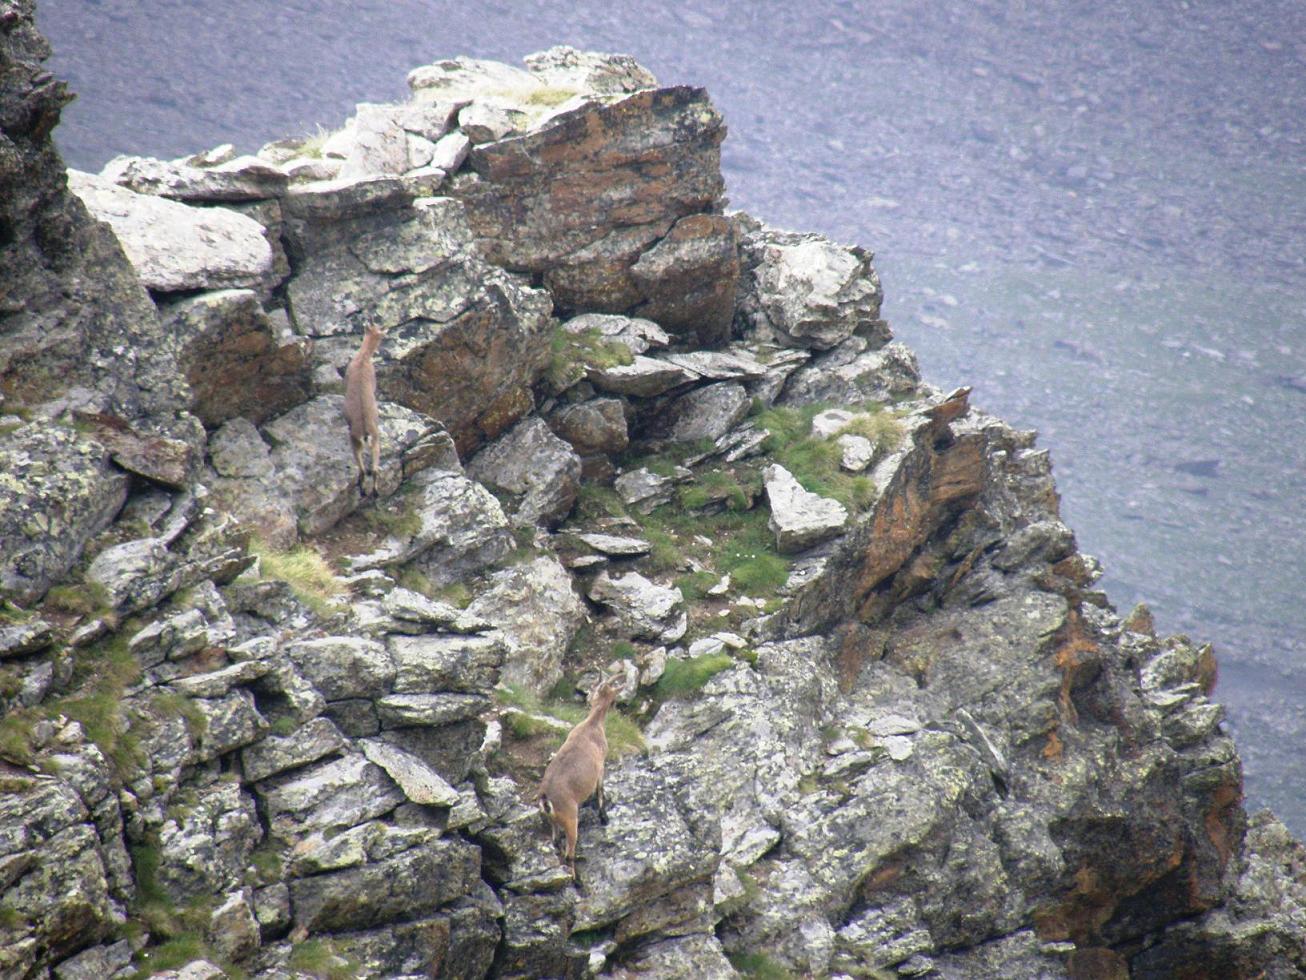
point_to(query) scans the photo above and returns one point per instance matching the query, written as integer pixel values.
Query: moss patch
(570, 354)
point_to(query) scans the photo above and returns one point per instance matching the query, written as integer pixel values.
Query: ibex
(360, 404)
(576, 771)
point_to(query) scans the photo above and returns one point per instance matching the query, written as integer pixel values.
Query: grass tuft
(684, 677)
(759, 966)
(624, 735)
(570, 354)
(306, 572)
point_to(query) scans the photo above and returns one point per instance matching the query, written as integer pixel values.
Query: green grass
(741, 544)
(664, 554)
(13, 615)
(694, 586)
(624, 735)
(313, 145)
(406, 523)
(813, 461)
(87, 599)
(306, 572)
(882, 429)
(624, 650)
(759, 966)
(685, 677)
(571, 354)
(320, 958)
(717, 487)
(17, 730)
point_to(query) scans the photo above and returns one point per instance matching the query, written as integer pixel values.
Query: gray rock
(719, 365)
(462, 529)
(237, 179)
(342, 667)
(96, 963)
(205, 843)
(429, 710)
(236, 360)
(275, 754)
(537, 612)
(175, 247)
(39, 545)
(705, 413)
(379, 145)
(645, 377)
(445, 662)
(218, 683)
(22, 638)
(856, 372)
(565, 67)
(532, 463)
(636, 333)
(595, 426)
(857, 453)
(806, 291)
(413, 607)
(643, 489)
(233, 929)
(687, 956)
(484, 123)
(230, 722)
(649, 611)
(462, 78)
(800, 519)
(409, 885)
(450, 151)
(615, 545)
(329, 795)
(420, 782)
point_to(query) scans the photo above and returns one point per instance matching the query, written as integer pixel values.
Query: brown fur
(576, 772)
(360, 405)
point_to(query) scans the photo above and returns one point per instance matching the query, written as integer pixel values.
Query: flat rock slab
(613, 544)
(420, 782)
(175, 247)
(245, 178)
(649, 610)
(800, 519)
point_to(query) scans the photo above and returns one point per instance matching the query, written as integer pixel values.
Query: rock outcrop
(875, 718)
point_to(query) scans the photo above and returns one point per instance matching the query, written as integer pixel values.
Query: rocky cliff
(875, 718)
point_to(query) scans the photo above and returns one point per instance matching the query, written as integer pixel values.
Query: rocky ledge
(875, 718)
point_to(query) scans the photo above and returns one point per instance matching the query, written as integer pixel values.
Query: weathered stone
(237, 179)
(535, 930)
(230, 722)
(856, 372)
(645, 377)
(235, 360)
(314, 464)
(461, 79)
(217, 683)
(705, 413)
(654, 855)
(38, 464)
(409, 606)
(800, 519)
(164, 460)
(175, 247)
(205, 843)
(644, 489)
(462, 529)
(649, 611)
(699, 956)
(857, 453)
(420, 782)
(96, 963)
(343, 198)
(563, 66)
(409, 885)
(334, 794)
(531, 462)
(655, 153)
(233, 929)
(342, 667)
(450, 152)
(595, 426)
(279, 753)
(445, 662)
(616, 545)
(485, 123)
(429, 710)
(23, 638)
(380, 145)
(806, 291)
(635, 333)
(689, 279)
(537, 613)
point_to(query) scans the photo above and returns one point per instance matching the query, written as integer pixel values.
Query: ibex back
(360, 405)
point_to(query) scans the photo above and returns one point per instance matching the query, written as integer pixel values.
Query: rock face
(898, 733)
(533, 206)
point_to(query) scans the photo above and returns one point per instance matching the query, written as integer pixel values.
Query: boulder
(689, 279)
(537, 612)
(40, 463)
(647, 610)
(856, 372)
(205, 843)
(380, 144)
(175, 247)
(237, 362)
(460, 530)
(244, 178)
(704, 413)
(636, 333)
(805, 291)
(534, 465)
(595, 426)
(656, 153)
(799, 519)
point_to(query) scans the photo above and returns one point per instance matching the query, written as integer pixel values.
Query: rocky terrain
(876, 719)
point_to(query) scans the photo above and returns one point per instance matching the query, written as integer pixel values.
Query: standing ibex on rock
(576, 771)
(360, 404)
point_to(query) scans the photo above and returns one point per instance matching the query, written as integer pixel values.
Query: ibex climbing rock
(360, 405)
(576, 771)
